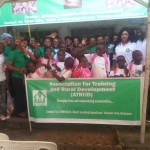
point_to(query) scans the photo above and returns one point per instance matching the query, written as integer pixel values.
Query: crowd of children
(69, 60)
(93, 58)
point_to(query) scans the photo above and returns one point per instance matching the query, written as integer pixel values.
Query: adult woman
(16, 63)
(125, 46)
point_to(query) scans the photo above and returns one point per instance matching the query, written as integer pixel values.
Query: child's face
(106, 39)
(76, 42)
(121, 62)
(69, 63)
(47, 43)
(68, 42)
(92, 42)
(84, 62)
(1, 48)
(100, 50)
(63, 47)
(32, 41)
(33, 44)
(31, 67)
(48, 53)
(115, 38)
(100, 40)
(138, 57)
(61, 56)
(55, 42)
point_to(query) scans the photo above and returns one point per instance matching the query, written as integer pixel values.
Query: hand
(108, 52)
(126, 71)
(53, 35)
(84, 41)
(54, 65)
(22, 70)
(54, 72)
(26, 52)
(4, 67)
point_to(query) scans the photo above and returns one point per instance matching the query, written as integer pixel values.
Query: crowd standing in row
(97, 57)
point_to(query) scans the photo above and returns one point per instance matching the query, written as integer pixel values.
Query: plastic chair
(3, 136)
(27, 145)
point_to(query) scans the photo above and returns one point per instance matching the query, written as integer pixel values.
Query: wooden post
(29, 31)
(146, 81)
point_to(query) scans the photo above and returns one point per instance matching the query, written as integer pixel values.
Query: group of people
(96, 57)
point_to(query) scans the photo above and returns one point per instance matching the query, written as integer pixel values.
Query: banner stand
(30, 123)
(146, 80)
(104, 110)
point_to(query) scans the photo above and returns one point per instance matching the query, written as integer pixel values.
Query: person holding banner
(66, 72)
(16, 63)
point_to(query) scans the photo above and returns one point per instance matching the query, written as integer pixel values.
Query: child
(120, 70)
(47, 60)
(59, 64)
(100, 62)
(3, 85)
(35, 73)
(136, 67)
(75, 53)
(66, 72)
(82, 71)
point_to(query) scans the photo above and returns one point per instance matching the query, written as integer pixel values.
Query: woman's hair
(120, 33)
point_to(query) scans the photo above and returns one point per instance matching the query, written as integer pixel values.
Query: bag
(10, 103)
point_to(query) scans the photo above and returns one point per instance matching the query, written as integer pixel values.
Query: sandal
(3, 117)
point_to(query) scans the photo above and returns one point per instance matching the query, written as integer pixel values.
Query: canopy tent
(50, 11)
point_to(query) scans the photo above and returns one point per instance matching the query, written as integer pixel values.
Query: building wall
(64, 29)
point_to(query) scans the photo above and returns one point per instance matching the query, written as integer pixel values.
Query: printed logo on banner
(39, 97)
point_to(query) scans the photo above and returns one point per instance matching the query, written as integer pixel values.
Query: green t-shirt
(93, 49)
(7, 50)
(19, 61)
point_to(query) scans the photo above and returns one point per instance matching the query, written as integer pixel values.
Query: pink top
(44, 61)
(81, 73)
(39, 73)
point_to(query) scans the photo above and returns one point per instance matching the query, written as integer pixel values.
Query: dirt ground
(61, 134)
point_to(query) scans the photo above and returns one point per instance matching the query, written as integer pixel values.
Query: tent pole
(29, 31)
(146, 82)
(142, 3)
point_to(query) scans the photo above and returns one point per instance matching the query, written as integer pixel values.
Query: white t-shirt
(99, 67)
(39, 73)
(61, 65)
(66, 56)
(2, 72)
(117, 72)
(135, 70)
(66, 73)
(125, 50)
(141, 45)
